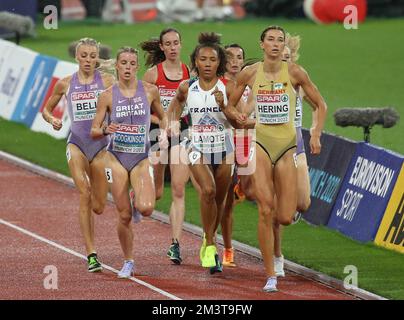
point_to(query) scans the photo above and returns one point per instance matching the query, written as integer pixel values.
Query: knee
(125, 218)
(208, 193)
(285, 221)
(98, 206)
(265, 213)
(178, 190)
(145, 210)
(85, 194)
(303, 205)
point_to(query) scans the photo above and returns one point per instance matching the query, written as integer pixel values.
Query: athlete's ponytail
(153, 53)
(293, 43)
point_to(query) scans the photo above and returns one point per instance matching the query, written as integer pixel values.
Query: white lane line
(79, 255)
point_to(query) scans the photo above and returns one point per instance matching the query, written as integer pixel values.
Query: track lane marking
(79, 255)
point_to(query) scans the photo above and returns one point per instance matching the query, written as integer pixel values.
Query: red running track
(39, 227)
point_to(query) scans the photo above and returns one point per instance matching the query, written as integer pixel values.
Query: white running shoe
(278, 266)
(127, 269)
(136, 215)
(296, 217)
(271, 285)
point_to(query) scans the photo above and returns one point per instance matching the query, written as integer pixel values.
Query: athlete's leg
(303, 183)
(80, 171)
(263, 188)
(204, 178)
(119, 190)
(179, 177)
(141, 179)
(99, 183)
(285, 178)
(222, 182)
(159, 167)
(227, 219)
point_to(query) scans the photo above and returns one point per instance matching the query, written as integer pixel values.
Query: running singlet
(275, 111)
(130, 143)
(167, 88)
(82, 106)
(210, 132)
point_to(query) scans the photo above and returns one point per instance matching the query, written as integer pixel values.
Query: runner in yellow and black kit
(273, 83)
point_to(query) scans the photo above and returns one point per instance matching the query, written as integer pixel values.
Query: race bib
(209, 138)
(273, 108)
(166, 96)
(298, 114)
(130, 138)
(84, 105)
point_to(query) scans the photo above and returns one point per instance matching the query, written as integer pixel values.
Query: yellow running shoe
(203, 248)
(209, 259)
(228, 257)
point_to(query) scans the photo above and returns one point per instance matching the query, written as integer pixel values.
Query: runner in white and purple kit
(85, 156)
(129, 104)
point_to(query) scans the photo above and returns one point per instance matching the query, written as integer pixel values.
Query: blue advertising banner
(326, 172)
(34, 90)
(365, 192)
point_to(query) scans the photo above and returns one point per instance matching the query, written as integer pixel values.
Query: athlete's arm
(58, 91)
(155, 105)
(302, 78)
(176, 106)
(150, 76)
(234, 92)
(98, 127)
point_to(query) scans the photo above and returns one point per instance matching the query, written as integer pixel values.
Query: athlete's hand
(173, 129)
(241, 119)
(219, 97)
(315, 144)
(56, 123)
(111, 128)
(163, 140)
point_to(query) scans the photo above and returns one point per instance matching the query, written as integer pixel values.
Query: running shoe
(271, 285)
(209, 259)
(239, 195)
(228, 257)
(174, 252)
(203, 248)
(278, 266)
(127, 269)
(136, 215)
(218, 267)
(296, 217)
(93, 264)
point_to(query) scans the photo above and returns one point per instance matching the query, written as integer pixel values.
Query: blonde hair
(293, 43)
(88, 42)
(107, 66)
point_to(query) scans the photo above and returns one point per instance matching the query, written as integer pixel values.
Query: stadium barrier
(365, 192)
(357, 188)
(326, 172)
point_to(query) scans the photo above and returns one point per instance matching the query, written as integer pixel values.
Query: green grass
(352, 68)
